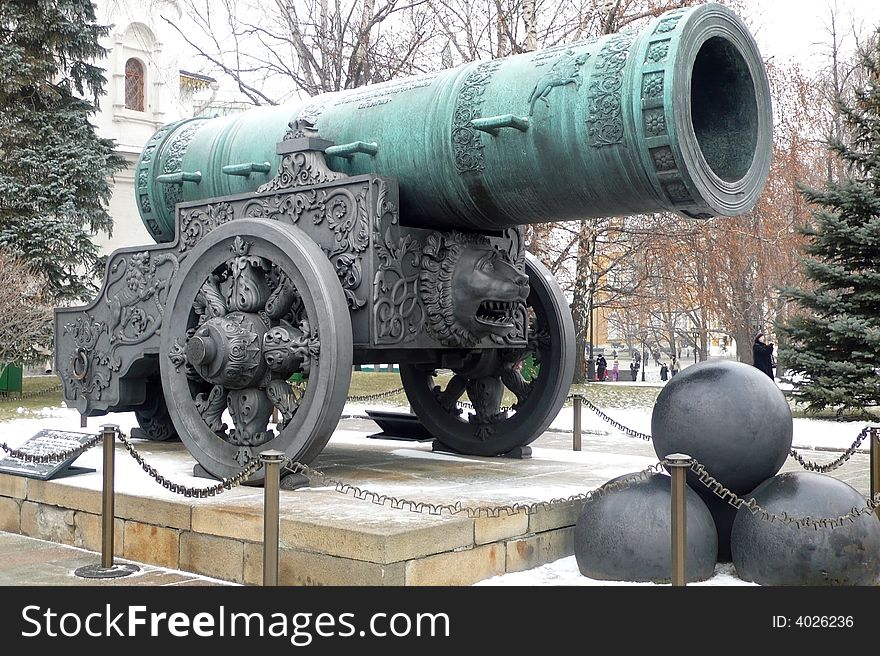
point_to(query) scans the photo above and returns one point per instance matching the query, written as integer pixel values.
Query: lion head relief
(470, 290)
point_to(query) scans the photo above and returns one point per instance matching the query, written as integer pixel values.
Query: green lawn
(37, 393)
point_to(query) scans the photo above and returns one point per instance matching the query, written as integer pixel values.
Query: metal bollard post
(271, 460)
(107, 569)
(576, 437)
(875, 465)
(108, 508)
(678, 464)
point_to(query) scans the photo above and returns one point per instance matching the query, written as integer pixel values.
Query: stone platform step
(327, 538)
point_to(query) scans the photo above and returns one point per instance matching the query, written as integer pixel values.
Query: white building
(146, 89)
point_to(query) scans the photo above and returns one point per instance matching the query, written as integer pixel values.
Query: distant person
(601, 367)
(664, 372)
(674, 369)
(656, 357)
(762, 355)
(645, 358)
(615, 370)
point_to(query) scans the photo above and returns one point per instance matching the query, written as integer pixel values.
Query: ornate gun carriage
(385, 225)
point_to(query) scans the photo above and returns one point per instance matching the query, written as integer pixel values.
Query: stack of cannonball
(734, 420)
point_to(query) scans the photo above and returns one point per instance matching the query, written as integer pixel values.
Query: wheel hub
(228, 350)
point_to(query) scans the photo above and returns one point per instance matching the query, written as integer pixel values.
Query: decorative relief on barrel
(143, 178)
(466, 141)
(663, 158)
(385, 92)
(669, 22)
(655, 123)
(311, 112)
(657, 52)
(605, 107)
(677, 192)
(564, 71)
(398, 315)
(543, 56)
(174, 156)
(652, 85)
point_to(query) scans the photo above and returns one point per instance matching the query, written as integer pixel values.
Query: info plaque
(47, 442)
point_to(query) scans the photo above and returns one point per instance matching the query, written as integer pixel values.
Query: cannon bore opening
(724, 111)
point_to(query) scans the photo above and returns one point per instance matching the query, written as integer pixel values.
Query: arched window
(134, 85)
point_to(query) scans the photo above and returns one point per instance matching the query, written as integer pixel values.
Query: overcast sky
(798, 29)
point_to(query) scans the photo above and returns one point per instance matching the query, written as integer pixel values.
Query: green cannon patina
(676, 116)
(385, 225)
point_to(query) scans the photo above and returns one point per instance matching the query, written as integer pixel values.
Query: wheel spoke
(251, 410)
(281, 299)
(448, 398)
(514, 381)
(282, 396)
(209, 303)
(485, 394)
(211, 407)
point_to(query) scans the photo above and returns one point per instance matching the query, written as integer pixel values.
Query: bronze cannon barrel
(676, 116)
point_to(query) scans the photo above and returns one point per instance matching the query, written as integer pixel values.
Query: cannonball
(728, 415)
(626, 534)
(783, 554)
(723, 514)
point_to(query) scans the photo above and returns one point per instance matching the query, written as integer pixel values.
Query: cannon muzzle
(676, 116)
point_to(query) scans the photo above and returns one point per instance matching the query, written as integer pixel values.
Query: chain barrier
(806, 464)
(398, 503)
(18, 396)
(457, 508)
(706, 479)
(178, 488)
(831, 466)
(224, 485)
(50, 457)
(468, 404)
(623, 429)
(374, 397)
(713, 485)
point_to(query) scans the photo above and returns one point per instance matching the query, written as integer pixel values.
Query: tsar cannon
(385, 225)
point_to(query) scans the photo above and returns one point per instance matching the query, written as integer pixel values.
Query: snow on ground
(564, 572)
(808, 434)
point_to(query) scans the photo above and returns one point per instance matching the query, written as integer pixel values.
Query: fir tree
(54, 170)
(833, 348)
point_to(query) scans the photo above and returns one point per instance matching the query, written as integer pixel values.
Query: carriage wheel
(484, 375)
(153, 418)
(253, 304)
